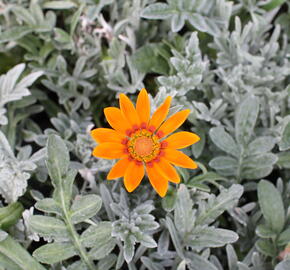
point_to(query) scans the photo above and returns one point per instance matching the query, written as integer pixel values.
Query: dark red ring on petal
(164, 144)
(160, 134)
(138, 162)
(135, 127)
(124, 141)
(129, 132)
(143, 125)
(149, 164)
(156, 160)
(151, 128)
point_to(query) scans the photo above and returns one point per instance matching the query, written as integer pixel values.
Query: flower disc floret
(143, 145)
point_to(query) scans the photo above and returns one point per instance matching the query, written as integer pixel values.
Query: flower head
(142, 143)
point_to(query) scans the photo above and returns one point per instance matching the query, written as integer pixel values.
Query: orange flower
(141, 143)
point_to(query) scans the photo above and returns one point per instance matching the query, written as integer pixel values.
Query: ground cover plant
(223, 65)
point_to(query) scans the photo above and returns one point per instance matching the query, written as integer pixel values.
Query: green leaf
(101, 251)
(54, 253)
(285, 141)
(245, 119)
(269, 5)
(17, 255)
(266, 247)
(48, 205)
(258, 166)
(271, 204)
(224, 141)
(85, 207)
(211, 237)
(198, 147)
(129, 248)
(75, 19)
(284, 238)
(108, 262)
(59, 4)
(100, 234)
(261, 145)
(148, 59)
(158, 11)
(284, 160)
(197, 263)
(62, 36)
(226, 200)
(174, 237)
(184, 215)
(225, 165)
(168, 202)
(147, 241)
(14, 33)
(264, 231)
(48, 226)
(57, 159)
(10, 215)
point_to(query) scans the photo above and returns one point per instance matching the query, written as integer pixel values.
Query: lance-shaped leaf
(227, 199)
(245, 119)
(54, 253)
(271, 204)
(48, 226)
(85, 207)
(10, 215)
(100, 234)
(203, 237)
(224, 141)
(57, 159)
(14, 255)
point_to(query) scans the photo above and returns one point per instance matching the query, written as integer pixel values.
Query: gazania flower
(142, 144)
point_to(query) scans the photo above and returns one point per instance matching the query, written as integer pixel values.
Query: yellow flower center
(143, 145)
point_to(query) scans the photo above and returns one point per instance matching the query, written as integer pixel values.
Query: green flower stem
(75, 236)
(77, 243)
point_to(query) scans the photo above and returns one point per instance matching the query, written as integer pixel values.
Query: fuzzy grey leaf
(85, 207)
(48, 226)
(54, 253)
(285, 141)
(211, 237)
(57, 158)
(101, 234)
(48, 205)
(224, 141)
(227, 199)
(157, 11)
(245, 119)
(271, 204)
(197, 263)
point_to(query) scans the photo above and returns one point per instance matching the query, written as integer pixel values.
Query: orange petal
(119, 169)
(133, 176)
(181, 139)
(129, 110)
(143, 106)
(179, 159)
(160, 114)
(109, 150)
(157, 180)
(173, 123)
(101, 135)
(167, 170)
(116, 119)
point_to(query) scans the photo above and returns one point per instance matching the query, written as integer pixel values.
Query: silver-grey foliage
(63, 62)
